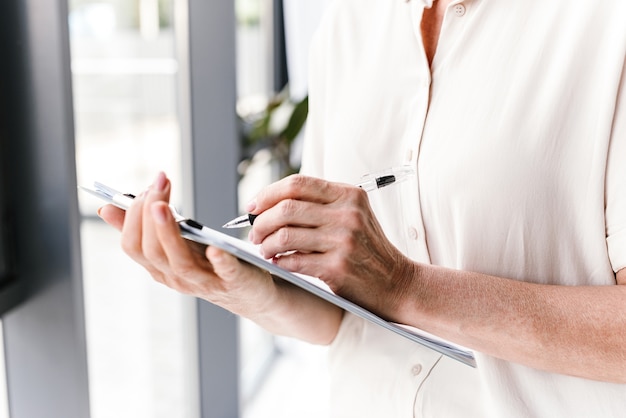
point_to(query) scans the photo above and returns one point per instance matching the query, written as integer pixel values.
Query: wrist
(406, 293)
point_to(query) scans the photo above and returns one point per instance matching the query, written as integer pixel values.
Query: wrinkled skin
(328, 230)
(151, 237)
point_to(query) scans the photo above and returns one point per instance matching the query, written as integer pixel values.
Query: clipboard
(248, 252)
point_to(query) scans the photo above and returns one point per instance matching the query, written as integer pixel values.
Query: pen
(373, 181)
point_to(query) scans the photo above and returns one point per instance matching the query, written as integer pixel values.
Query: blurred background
(130, 63)
(125, 78)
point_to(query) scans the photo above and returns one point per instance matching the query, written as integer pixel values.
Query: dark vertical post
(281, 76)
(210, 157)
(45, 335)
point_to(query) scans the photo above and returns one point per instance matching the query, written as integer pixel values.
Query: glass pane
(124, 79)
(253, 48)
(258, 351)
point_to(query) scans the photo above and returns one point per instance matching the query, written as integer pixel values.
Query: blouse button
(413, 233)
(459, 10)
(416, 369)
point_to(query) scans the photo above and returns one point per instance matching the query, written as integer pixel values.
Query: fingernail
(251, 206)
(98, 212)
(160, 213)
(160, 182)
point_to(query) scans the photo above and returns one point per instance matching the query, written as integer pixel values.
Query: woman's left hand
(328, 230)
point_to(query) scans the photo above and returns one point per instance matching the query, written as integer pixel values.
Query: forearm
(578, 331)
(570, 330)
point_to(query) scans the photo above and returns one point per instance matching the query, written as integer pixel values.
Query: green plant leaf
(296, 121)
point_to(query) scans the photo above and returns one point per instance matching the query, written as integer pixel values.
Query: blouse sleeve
(616, 184)
(314, 139)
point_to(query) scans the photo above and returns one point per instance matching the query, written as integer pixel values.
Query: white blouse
(518, 139)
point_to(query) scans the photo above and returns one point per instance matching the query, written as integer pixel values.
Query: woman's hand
(151, 237)
(328, 230)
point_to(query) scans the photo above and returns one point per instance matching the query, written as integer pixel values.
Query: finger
(229, 267)
(245, 290)
(314, 265)
(303, 240)
(112, 215)
(175, 256)
(288, 213)
(296, 187)
(225, 265)
(151, 245)
(132, 230)
(132, 238)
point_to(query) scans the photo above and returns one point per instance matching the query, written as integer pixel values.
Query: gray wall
(210, 157)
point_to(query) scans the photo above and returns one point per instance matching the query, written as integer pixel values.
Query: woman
(510, 240)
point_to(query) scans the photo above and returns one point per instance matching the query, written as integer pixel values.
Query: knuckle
(336, 267)
(165, 278)
(354, 195)
(283, 236)
(360, 195)
(156, 275)
(183, 270)
(347, 240)
(353, 218)
(325, 188)
(129, 248)
(135, 251)
(286, 207)
(293, 262)
(296, 183)
(173, 282)
(151, 252)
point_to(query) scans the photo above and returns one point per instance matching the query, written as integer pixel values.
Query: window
(124, 74)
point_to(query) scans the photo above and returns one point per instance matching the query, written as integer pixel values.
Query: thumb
(229, 267)
(224, 264)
